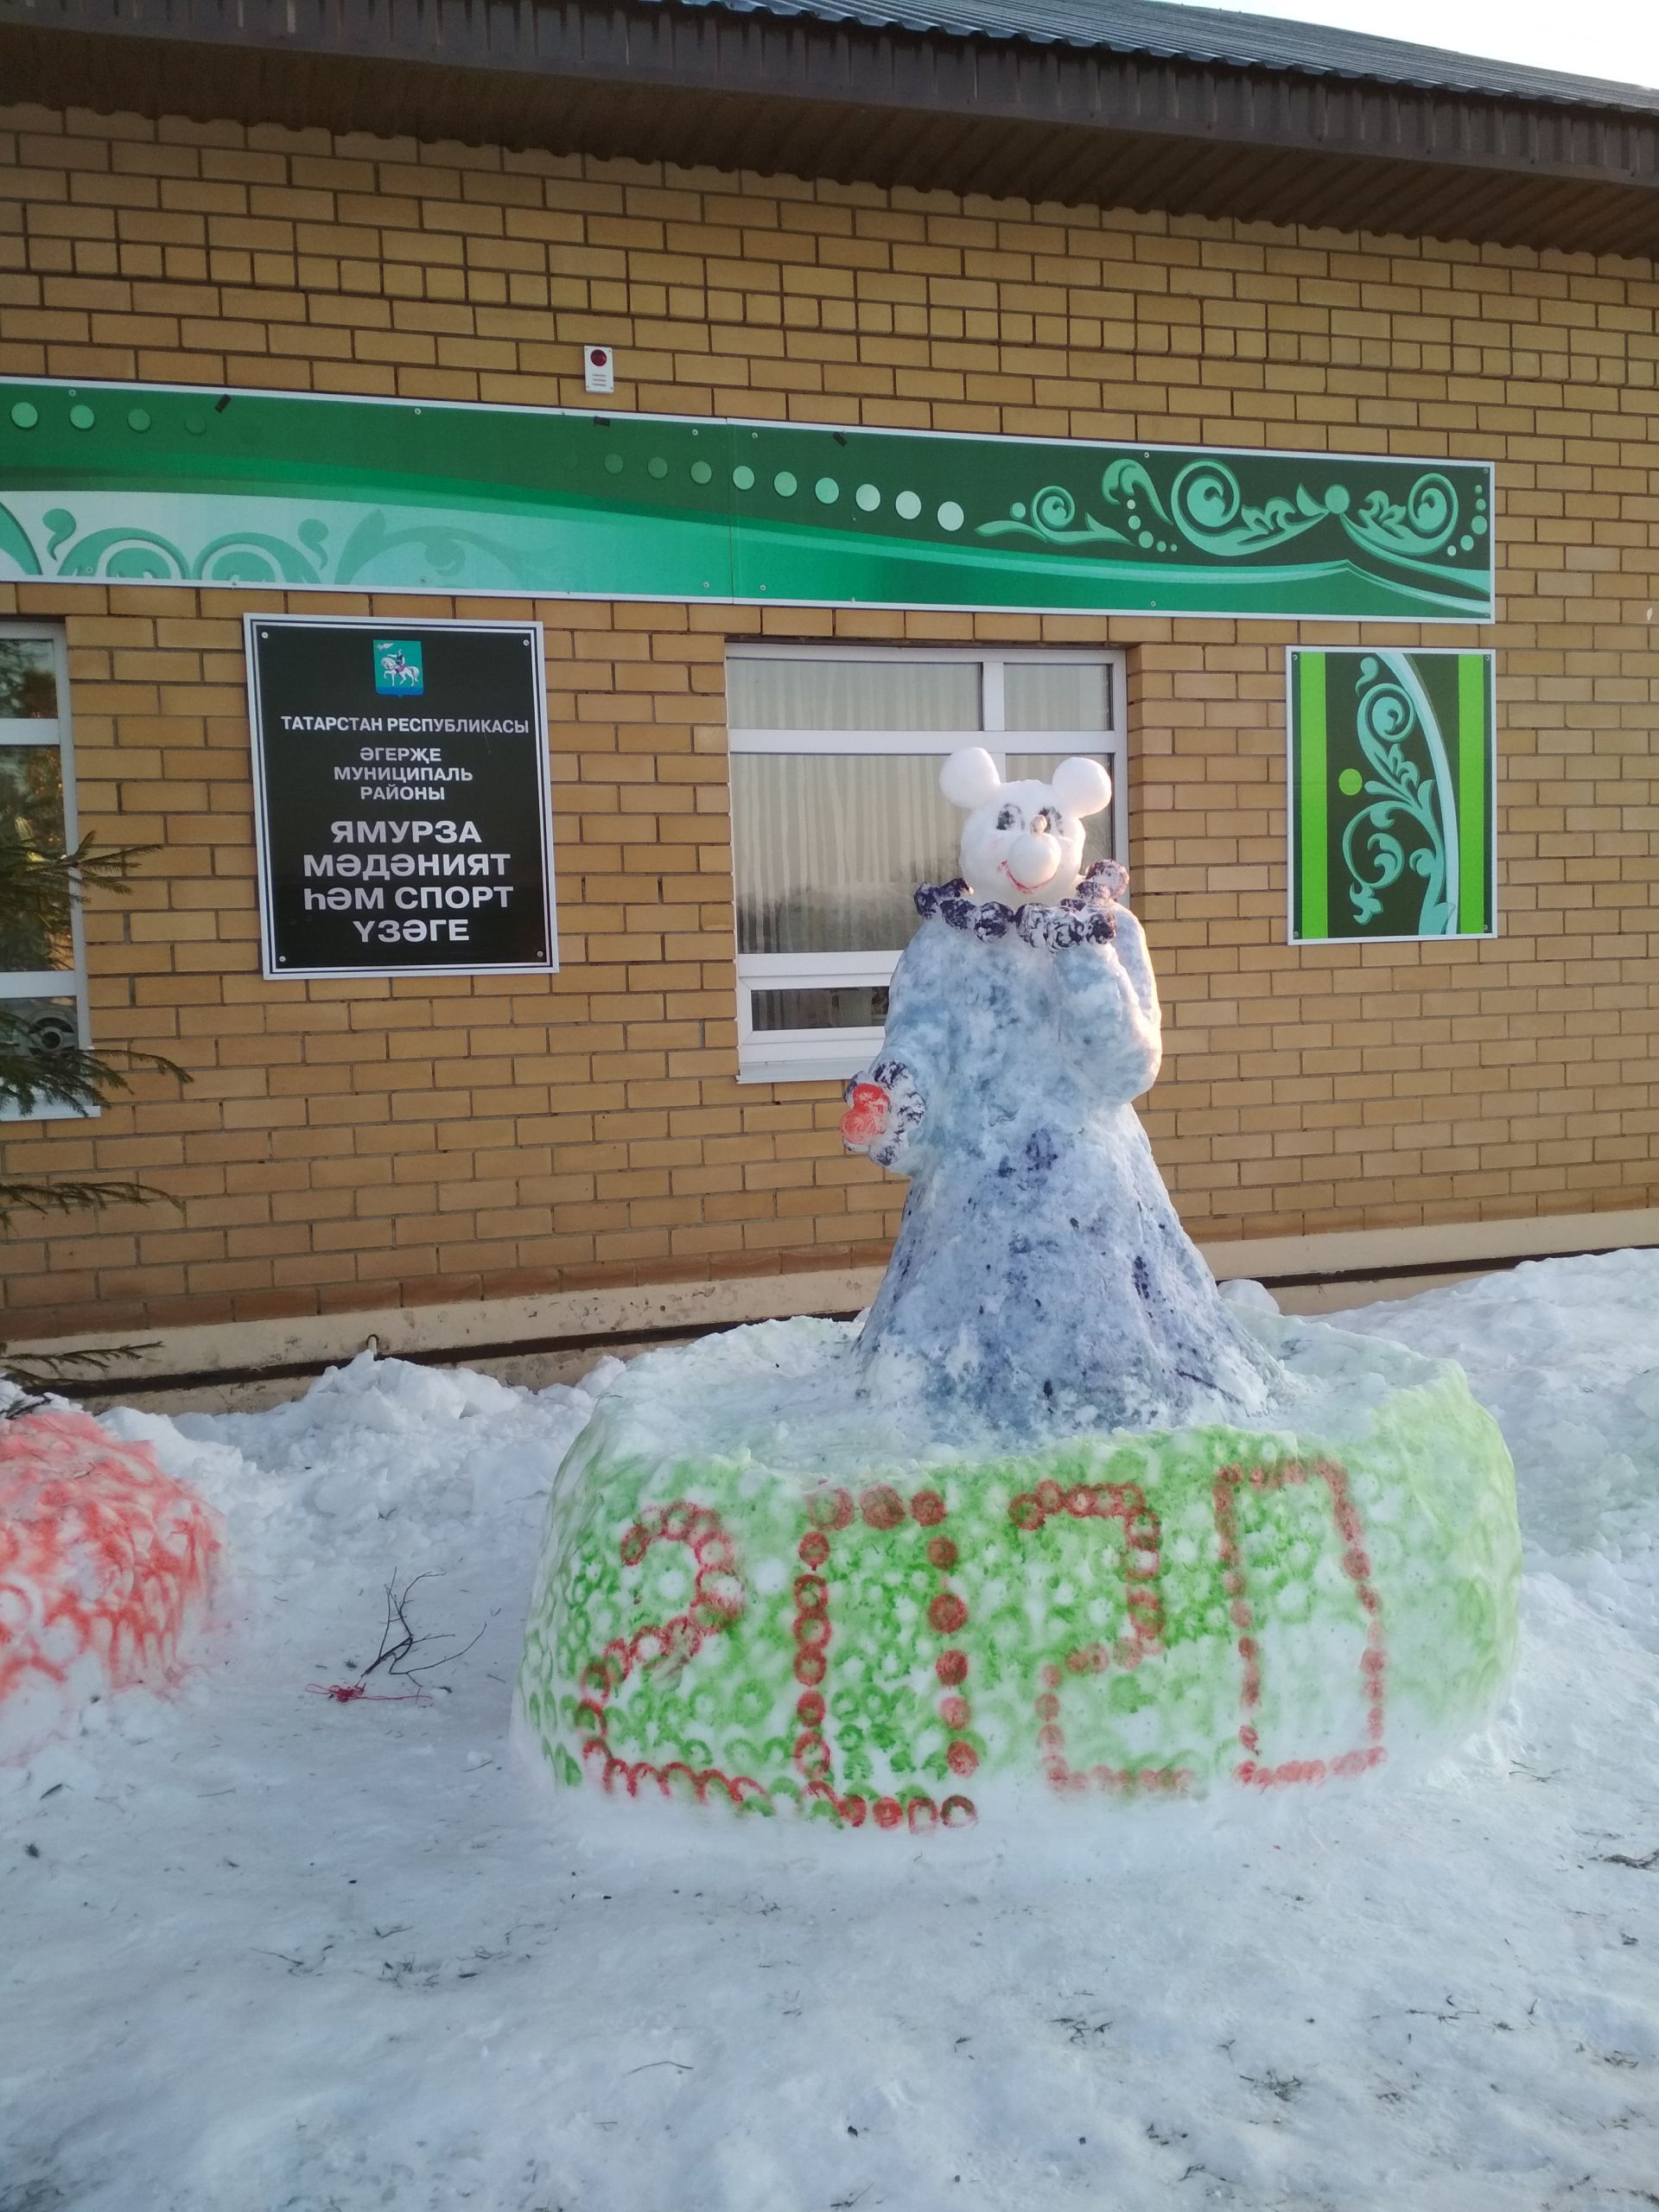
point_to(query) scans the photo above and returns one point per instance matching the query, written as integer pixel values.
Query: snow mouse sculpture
(1054, 1515)
(1041, 1281)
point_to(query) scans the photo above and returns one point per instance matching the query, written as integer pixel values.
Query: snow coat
(1041, 1281)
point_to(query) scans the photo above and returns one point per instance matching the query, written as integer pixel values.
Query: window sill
(807, 1055)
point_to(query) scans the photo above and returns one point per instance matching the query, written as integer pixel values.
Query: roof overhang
(701, 87)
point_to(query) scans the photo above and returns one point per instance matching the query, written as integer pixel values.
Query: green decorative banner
(1392, 775)
(158, 484)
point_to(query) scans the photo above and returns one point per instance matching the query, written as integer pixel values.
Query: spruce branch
(42, 1371)
(39, 888)
(38, 891)
(34, 1074)
(41, 1065)
(31, 1196)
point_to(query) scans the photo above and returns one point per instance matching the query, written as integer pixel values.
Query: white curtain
(1057, 695)
(828, 847)
(838, 694)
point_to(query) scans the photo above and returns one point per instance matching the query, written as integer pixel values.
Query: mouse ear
(1081, 786)
(969, 778)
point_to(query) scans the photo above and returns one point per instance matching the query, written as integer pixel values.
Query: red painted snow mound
(105, 1564)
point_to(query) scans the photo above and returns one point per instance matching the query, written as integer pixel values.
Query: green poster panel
(1393, 791)
(158, 484)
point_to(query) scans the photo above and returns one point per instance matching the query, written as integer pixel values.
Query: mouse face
(1022, 843)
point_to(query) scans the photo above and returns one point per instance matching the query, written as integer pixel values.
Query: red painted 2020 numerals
(1129, 1523)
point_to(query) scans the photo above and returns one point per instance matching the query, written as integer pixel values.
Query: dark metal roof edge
(700, 86)
(1332, 53)
(754, 55)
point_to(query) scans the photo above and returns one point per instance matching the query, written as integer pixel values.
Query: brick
(345, 1144)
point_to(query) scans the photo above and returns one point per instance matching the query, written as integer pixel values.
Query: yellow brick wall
(348, 1145)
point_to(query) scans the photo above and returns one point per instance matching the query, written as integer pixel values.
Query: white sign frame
(269, 968)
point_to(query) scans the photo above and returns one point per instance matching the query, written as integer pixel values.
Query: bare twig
(397, 1642)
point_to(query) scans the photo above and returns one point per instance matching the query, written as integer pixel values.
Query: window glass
(28, 680)
(37, 816)
(832, 830)
(851, 695)
(838, 1006)
(52, 1025)
(1057, 695)
(31, 816)
(829, 848)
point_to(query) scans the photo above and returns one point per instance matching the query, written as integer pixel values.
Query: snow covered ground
(265, 1952)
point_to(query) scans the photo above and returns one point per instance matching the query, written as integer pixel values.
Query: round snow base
(756, 1593)
(105, 1562)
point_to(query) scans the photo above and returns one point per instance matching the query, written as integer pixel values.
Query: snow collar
(1085, 917)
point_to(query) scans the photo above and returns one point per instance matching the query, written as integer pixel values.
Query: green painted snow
(1431, 1489)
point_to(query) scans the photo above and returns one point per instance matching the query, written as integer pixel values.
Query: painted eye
(1006, 819)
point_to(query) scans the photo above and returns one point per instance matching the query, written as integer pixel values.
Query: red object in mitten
(866, 1118)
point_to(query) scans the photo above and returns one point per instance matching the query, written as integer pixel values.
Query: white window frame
(813, 1055)
(50, 983)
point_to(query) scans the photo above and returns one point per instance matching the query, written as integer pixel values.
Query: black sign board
(401, 796)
